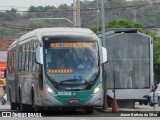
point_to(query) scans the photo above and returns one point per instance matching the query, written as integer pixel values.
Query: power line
(15, 26)
(59, 10)
(30, 28)
(12, 25)
(157, 26)
(65, 10)
(14, 6)
(134, 6)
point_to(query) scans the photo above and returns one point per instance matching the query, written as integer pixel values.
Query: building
(4, 45)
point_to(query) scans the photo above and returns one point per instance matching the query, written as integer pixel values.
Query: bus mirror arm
(103, 55)
(39, 55)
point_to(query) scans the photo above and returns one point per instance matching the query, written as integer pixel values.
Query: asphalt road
(143, 111)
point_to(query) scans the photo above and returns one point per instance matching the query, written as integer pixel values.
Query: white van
(155, 96)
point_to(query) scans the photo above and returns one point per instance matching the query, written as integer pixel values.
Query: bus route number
(64, 93)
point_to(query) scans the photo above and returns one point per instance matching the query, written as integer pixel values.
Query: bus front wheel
(89, 110)
(151, 103)
(159, 101)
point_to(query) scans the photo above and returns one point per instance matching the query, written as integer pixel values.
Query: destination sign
(72, 45)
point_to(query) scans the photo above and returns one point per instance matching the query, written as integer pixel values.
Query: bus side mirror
(39, 55)
(103, 55)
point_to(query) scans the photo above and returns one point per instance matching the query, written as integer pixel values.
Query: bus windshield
(71, 63)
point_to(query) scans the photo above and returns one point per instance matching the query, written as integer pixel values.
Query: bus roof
(60, 31)
(54, 31)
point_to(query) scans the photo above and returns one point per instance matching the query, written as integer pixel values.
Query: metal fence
(128, 61)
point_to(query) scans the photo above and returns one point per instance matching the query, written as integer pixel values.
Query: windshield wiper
(69, 80)
(74, 80)
(88, 82)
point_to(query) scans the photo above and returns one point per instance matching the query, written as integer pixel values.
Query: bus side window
(31, 56)
(23, 58)
(11, 62)
(27, 58)
(37, 66)
(14, 61)
(13, 57)
(34, 57)
(8, 63)
(20, 59)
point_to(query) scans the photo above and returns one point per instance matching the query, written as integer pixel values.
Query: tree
(32, 9)
(156, 53)
(123, 23)
(63, 6)
(9, 15)
(120, 23)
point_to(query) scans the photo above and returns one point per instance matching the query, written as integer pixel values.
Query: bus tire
(140, 102)
(146, 103)
(89, 110)
(151, 103)
(12, 104)
(159, 101)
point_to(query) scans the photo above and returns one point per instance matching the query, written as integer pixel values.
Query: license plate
(72, 101)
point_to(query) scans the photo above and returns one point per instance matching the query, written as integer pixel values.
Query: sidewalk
(5, 107)
(142, 108)
(137, 108)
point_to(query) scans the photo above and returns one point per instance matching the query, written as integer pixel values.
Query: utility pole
(134, 13)
(105, 103)
(76, 13)
(97, 15)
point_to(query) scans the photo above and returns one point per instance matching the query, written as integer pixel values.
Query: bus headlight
(50, 90)
(97, 89)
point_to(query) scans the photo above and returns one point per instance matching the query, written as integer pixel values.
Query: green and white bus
(56, 68)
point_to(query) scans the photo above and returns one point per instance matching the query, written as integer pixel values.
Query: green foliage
(156, 50)
(63, 6)
(123, 23)
(9, 15)
(120, 23)
(94, 28)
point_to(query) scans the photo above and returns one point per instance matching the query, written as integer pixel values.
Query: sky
(24, 4)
